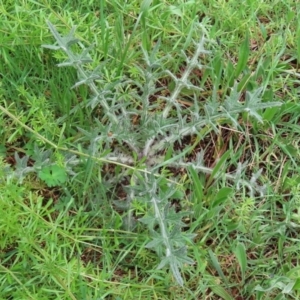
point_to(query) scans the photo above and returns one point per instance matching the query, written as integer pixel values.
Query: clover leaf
(53, 175)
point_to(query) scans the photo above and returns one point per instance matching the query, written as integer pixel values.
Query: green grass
(68, 229)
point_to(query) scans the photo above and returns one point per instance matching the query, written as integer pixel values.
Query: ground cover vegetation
(149, 150)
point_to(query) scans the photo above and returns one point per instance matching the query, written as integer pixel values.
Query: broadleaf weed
(142, 143)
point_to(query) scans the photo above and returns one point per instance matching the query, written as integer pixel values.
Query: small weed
(169, 143)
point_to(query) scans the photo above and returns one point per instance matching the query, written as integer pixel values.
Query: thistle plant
(143, 144)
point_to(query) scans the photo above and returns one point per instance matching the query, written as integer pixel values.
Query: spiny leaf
(63, 42)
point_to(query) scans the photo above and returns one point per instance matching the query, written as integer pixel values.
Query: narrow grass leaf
(263, 30)
(240, 253)
(222, 196)
(282, 283)
(243, 57)
(245, 82)
(217, 266)
(145, 5)
(220, 291)
(297, 285)
(197, 185)
(298, 41)
(270, 113)
(173, 159)
(229, 71)
(217, 168)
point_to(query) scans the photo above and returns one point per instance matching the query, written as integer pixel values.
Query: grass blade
(197, 185)
(240, 253)
(217, 266)
(220, 291)
(243, 57)
(217, 168)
